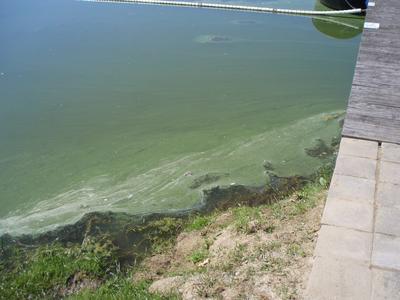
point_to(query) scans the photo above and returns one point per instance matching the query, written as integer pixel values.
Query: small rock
(204, 263)
(230, 293)
(166, 286)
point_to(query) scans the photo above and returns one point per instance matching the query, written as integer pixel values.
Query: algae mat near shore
(139, 109)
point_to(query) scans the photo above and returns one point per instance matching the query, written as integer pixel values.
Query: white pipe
(236, 7)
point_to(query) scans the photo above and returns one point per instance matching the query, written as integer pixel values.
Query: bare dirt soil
(243, 253)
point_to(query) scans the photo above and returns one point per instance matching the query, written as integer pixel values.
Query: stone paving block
(386, 251)
(348, 214)
(385, 285)
(355, 166)
(352, 188)
(390, 172)
(332, 279)
(387, 220)
(388, 195)
(390, 152)
(359, 148)
(338, 242)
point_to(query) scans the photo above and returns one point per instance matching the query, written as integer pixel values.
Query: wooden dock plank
(391, 116)
(374, 104)
(373, 95)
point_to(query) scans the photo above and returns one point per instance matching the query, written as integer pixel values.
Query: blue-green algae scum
(122, 107)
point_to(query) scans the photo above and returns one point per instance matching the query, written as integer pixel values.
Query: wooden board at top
(374, 105)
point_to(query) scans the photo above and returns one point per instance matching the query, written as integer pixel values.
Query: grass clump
(198, 255)
(295, 250)
(305, 199)
(238, 253)
(199, 222)
(273, 246)
(44, 271)
(161, 233)
(275, 265)
(235, 258)
(245, 217)
(121, 288)
(301, 201)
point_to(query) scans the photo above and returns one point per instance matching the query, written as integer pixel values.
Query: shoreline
(241, 163)
(123, 244)
(102, 248)
(127, 229)
(215, 199)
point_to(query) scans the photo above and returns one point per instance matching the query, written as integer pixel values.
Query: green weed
(295, 250)
(198, 255)
(121, 288)
(244, 215)
(199, 222)
(46, 269)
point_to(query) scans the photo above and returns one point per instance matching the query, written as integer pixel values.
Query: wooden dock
(357, 251)
(374, 105)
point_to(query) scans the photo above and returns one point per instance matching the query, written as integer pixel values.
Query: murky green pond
(124, 107)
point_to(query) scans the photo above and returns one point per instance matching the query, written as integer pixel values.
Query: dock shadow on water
(338, 27)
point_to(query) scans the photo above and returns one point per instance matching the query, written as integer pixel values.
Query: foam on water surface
(169, 186)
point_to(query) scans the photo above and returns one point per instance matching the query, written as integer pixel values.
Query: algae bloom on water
(107, 107)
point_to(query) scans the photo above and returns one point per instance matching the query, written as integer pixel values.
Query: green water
(121, 107)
